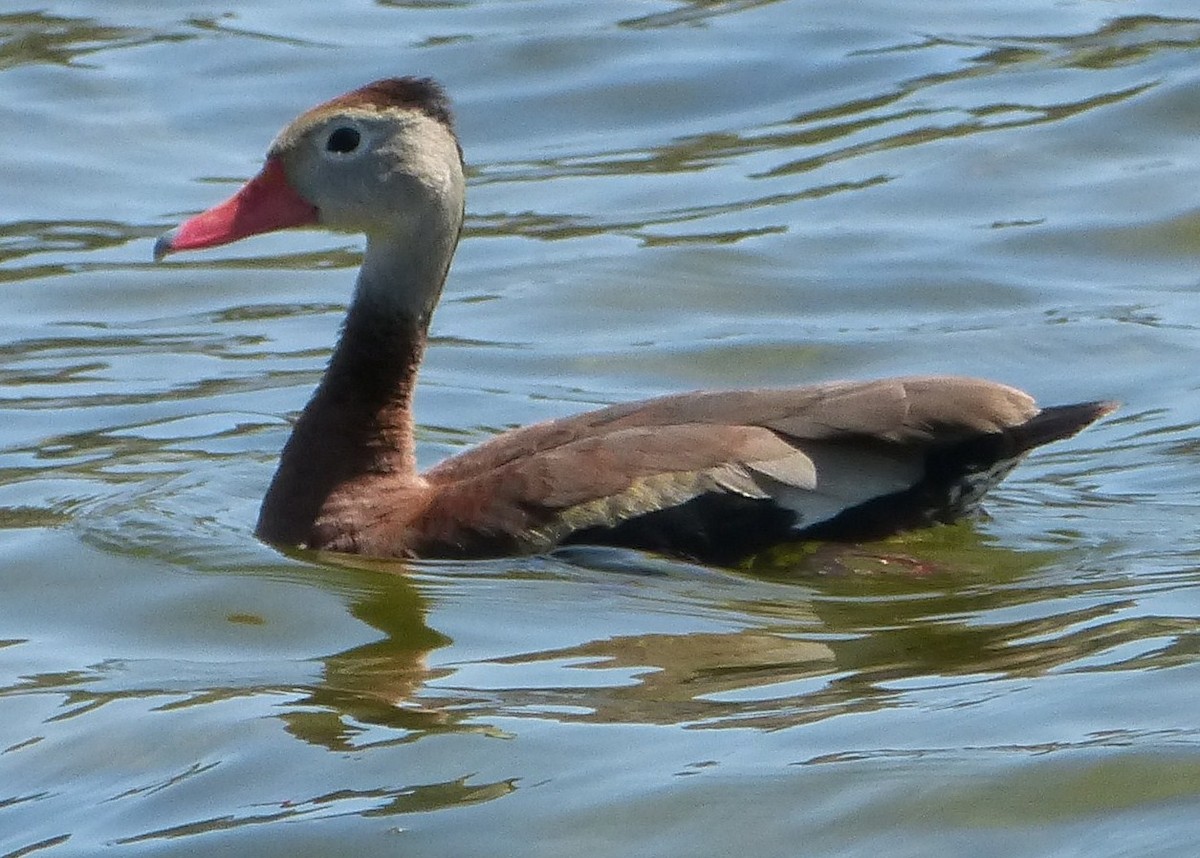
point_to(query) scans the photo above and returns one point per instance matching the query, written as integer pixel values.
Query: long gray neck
(359, 421)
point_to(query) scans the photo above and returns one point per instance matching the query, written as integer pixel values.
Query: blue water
(663, 196)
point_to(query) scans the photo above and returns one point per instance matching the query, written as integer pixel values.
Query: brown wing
(718, 475)
(899, 410)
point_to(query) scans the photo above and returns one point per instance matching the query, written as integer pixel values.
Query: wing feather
(809, 454)
(915, 409)
(603, 480)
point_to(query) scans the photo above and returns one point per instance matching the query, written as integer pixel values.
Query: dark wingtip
(1055, 422)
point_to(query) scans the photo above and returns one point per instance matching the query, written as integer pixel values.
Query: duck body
(713, 476)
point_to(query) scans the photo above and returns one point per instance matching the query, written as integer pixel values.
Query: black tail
(958, 475)
(1057, 422)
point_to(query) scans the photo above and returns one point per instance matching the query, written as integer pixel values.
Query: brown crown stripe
(412, 93)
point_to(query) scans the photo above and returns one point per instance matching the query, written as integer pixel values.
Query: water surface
(663, 196)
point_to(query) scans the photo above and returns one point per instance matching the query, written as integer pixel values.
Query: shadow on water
(805, 636)
(815, 636)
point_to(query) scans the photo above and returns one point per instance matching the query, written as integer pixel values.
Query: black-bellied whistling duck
(713, 476)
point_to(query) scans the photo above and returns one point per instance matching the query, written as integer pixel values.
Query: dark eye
(343, 140)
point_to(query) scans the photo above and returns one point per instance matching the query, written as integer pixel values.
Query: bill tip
(164, 244)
